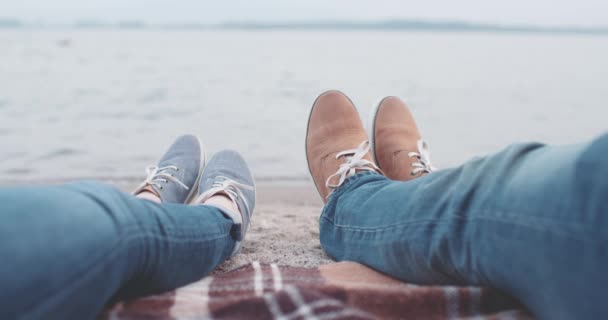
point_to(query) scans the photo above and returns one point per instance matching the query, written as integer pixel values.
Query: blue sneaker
(228, 174)
(175, 176)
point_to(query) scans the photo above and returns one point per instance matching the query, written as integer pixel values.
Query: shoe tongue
(172, 192)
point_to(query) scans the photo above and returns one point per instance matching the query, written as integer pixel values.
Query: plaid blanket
(344, 290)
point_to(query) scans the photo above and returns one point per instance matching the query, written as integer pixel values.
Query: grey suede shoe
(228, 174)
(175, 177)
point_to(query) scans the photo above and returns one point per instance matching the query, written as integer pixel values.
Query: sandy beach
(284, 228)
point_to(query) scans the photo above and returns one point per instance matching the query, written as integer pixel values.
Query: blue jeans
(65, 251)
(531, 220)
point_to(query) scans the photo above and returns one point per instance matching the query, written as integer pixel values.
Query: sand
(284, 228)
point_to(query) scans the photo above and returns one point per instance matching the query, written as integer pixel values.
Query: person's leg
(529, 220)
(67, 250)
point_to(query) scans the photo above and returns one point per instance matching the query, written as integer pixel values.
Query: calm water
(104, 104)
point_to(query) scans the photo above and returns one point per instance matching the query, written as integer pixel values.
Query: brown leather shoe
(336, 143)
(396, 142)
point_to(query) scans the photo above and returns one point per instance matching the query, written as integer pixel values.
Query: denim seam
(182, 237)
(178, 231)
(439, 221)
(178, 236)
(152, 234)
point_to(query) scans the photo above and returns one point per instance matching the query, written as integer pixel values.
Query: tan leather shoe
(397, 145)
(336, 143)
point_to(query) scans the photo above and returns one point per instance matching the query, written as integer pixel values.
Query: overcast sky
(537, 12)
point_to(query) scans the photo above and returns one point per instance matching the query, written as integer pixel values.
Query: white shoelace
(354, 161)
(157, 175)
(227, 186)
(424, 159)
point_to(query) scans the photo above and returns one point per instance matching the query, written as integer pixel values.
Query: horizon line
(315, 25)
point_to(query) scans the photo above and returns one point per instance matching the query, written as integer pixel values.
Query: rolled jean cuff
(236, 231)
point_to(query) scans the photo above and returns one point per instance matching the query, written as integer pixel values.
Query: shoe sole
(306, 137)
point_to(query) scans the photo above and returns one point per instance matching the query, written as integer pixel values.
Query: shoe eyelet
(161, 187)
(177, 169)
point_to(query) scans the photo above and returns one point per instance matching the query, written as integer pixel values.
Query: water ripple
(63, 152)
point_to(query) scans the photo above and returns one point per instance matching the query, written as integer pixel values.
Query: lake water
(106, 103)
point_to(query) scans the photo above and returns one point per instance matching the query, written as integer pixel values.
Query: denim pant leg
(531, 220)
(67, 250)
